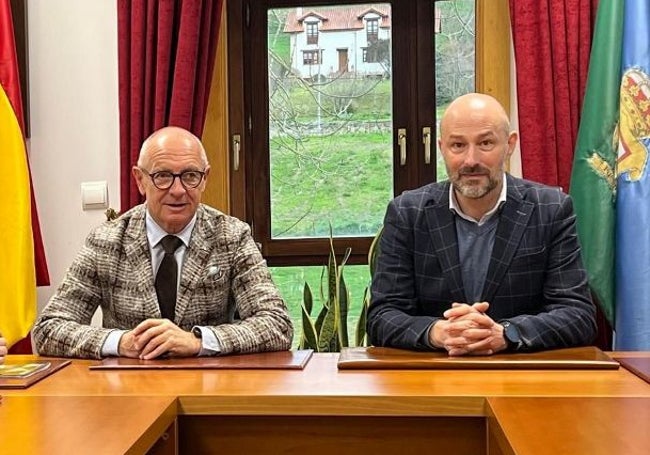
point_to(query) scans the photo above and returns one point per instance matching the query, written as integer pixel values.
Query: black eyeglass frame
(174, 176)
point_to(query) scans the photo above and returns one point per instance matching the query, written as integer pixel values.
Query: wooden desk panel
(97, 425)
(550, 426)
(340, 435)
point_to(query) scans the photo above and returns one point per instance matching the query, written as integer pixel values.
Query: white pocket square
(214, 272)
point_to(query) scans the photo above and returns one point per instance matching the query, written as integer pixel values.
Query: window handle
(426, 140)
(401, 140)
(236, 145)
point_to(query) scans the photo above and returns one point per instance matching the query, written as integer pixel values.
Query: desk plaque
(279, 360)
(584, 358)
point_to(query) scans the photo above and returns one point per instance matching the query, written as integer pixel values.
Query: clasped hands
(153, 338)
(467, 330)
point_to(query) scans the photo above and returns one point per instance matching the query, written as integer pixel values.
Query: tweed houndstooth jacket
(223, 272)
(535, 277)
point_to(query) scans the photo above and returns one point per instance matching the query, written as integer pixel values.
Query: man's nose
(177, 186)
(471, 157)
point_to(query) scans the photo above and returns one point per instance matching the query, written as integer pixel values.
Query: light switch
(94, 195)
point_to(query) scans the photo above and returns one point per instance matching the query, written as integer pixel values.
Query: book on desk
(24, 374)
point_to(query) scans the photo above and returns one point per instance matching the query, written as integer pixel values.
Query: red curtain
(166, 54)
(552, 42)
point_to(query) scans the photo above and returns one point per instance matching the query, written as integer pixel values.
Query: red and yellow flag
(19, 241)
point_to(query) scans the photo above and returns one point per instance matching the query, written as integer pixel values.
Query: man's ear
(512, 142)
(138, 175)
(205, 177)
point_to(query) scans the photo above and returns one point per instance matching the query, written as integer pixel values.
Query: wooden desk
(550, 426)
(78, 424)
(323, 410)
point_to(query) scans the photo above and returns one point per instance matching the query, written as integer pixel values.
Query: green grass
(345, 180)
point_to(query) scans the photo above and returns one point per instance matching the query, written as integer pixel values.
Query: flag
(593, 177)
(22, 258)
(632, 328)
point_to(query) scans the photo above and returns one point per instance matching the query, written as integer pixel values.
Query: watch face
(510, 333)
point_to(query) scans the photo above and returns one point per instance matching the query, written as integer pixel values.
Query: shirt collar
(454, 207)
(155, 233)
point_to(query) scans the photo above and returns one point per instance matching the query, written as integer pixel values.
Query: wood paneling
(493, 50)
(215, 134)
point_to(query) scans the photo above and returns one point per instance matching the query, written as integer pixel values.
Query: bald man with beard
(214, 296)
(483, 262)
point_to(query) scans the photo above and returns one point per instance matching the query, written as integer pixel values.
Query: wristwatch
(511, 335)
(197, 332)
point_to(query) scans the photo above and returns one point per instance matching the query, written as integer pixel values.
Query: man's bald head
(170, 137)
(474, 105)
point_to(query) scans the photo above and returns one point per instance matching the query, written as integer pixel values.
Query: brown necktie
(167, 277)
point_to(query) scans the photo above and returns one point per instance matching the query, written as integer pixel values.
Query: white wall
(74, 120)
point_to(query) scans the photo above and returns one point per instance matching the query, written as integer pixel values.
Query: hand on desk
(467, 330)
(153, 338)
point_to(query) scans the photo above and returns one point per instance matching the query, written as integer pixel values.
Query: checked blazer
(223, 273)
(535, 277)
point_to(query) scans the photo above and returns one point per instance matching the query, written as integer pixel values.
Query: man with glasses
(172, 276)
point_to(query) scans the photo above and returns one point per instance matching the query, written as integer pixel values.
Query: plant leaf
(307, 298)
(309, 338)
(361, 339)
(321, 317)
(327, 330)
(344, 298)
(374, 251)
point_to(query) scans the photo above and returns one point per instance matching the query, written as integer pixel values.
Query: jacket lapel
(137, 252)
(513, 220)
(442, 230)
(194, 264)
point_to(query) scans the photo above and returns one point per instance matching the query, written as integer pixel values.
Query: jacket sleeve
(567, 317)
(393, 318)
(264, 323)
(63, 328)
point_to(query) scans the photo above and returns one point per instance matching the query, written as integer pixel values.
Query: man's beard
(473, 190)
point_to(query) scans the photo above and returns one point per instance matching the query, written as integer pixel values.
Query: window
(374, 53)
(312, 32)
(372, 30)
(311, 57)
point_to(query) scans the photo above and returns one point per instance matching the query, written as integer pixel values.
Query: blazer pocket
(213, 275)
(529, 257)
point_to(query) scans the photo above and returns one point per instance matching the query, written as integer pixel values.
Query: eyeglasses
(164, 180)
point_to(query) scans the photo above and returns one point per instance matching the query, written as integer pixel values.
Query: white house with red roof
(332, 41)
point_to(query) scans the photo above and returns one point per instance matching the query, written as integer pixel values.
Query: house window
(370, 54)
(311, 57)
(312, 32)
(372, 30)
